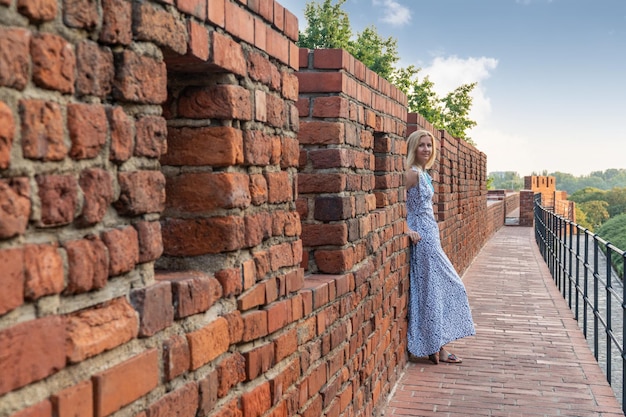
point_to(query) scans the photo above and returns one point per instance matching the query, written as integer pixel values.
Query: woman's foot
(445, 356)
(434, 358)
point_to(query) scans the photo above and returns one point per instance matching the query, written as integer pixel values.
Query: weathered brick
(275, 111)
(230, 279)
(81, 14)
(150, 240)
(285, 344)
(198, 45)
(195, 8)
(290, 152)
(94, 70)
(182, 402)
(38, 10)
(239, 22)
(208, 342)
(125, 383)
(121, 134)
(217, 146)
(221, 101)
(41, 409)
(208, 392)
(193, 292)
(278, 315)
(154, 305)
(88, 265)
(58, 195)
(151, 136)
(235, 326)
(161, 27)
(176, 356)
(256, 402)
(140, 78)
(230, 409)
(15, 56)
(12, 279)
(227, 54)
(182, 237)
(7, 132)
(123, 246)
(215, 12)
(76, 400)
(14, 206)
(141, 192)
(101, 328)
(53, 62)
(279, 186)
(43, 268)
(254, 325)
(258, 228)
(116, 22)
(87, 126)
(259, 360)
(258, 147)
(98, 193)
(230, 372)
(42, 130)
(258, 189)
(204, 192)
(335, 261)
(259, 68)
(31, 351)
(253, 297)
(321, 133)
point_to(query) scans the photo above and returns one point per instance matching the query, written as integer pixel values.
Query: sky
(550, 74)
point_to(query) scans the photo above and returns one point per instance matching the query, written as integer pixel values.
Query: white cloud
(393, 12)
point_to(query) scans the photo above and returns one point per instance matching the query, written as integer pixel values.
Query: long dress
(439, 311)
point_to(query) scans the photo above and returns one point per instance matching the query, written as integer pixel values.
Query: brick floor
(528, 357)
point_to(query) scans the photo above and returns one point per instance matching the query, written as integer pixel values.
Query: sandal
(449, 358)
(434, 358)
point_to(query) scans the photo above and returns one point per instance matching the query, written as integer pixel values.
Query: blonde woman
(439, 311)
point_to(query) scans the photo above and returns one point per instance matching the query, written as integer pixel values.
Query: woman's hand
(414, 236)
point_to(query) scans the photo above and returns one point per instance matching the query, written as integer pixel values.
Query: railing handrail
(559, 241)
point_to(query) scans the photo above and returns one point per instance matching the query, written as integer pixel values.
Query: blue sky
(551, 74)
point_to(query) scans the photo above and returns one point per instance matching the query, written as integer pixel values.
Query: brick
(285, 344)
(230, 372)
(321, 183)
(82, 14)
(259, 360)
(141, 192)
(279, 186)
(239, 22)
(253, 297)
(31, 351)
(140, 79)
(260, 34)
(333, 208)
(38, 10)
(94, 70)
(182, 402)
(7, 132)
(259, 68)
(216, 102)
(258, 189)
(235, 326)
(150, 240)
(53, 62)
(151, 136)
(208, 392)
(88, 265)
(116, 22)
(208, 342)
(123, 246)
(324, 234)
(195, 8)
(43, 271)
(277, 45)
(193, 292)
(76, 400)
(230, 409)
(126, 382)
(198, 45)
(321, 133)
(176, 356)
(182, 237)
(258, 148)
(231, 282)
(41, 409)
(121, 134)
(42, 130)
(289, 86)
(190, 146)
(12, 279)
(227, 54)
(275, 111)
(98, 194)
(14, 206)
(257, 401)
(205, 192)
(87, 126)
(15, 56)
(254, 325)
(278, 315)
(291, 26)
(161, 27)
(98, 329)
(286, 379)
(258, 228)
(154, 305)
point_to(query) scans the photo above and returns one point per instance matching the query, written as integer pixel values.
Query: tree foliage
(328, 26)
(614, 231)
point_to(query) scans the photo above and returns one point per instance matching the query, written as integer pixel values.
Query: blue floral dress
(439, 311)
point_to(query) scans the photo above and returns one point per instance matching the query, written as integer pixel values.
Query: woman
(438, 307)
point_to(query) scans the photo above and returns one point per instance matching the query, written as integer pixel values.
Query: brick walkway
(528, 357)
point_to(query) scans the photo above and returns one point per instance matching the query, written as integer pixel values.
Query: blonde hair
(412, 144)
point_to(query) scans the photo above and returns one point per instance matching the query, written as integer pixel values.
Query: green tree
(457, 105)
(587, 194)
(616, 198)
(581, 218)
(376, 53)
(596, 212)
(328, 26)
(614, 231)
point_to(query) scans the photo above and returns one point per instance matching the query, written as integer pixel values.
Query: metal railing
(581, 264)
